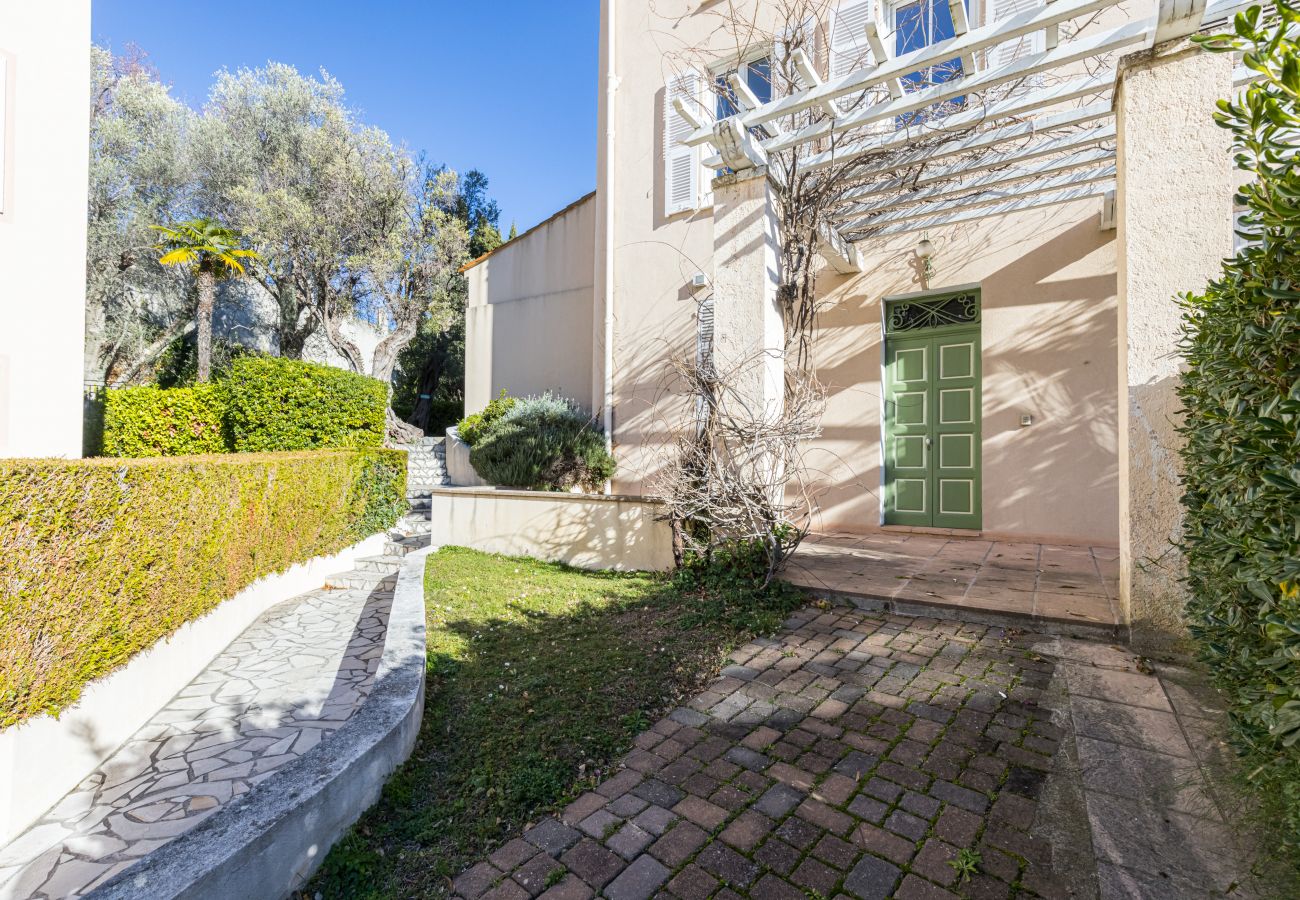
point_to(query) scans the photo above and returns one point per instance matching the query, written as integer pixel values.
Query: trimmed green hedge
(1241, 393)
(99, 559)
(262, 404)
(285, 404)
(148, 421)
(472, 428)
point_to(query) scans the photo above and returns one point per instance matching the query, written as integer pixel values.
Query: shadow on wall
(1049, 331)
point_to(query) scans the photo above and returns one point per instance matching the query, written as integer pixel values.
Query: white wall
(43, 226)
(528, 326)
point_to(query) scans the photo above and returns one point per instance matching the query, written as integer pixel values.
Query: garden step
(384, 565)
(415, 527)
(407, 544)
(361, 580)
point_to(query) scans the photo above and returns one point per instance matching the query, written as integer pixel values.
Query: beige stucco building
(44, 153)
(1065, 379)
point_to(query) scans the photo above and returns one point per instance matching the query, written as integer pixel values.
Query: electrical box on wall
(1026, 420)
(699, 280)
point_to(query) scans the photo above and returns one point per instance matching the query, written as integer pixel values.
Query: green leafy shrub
(99, 559)
(1241, 392)
(283, 404)
(472, 428)
(147, 421)
(543, 443)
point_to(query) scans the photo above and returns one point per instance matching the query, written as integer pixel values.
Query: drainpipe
(611, 90)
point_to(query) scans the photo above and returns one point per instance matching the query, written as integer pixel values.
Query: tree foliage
(139, 175)
(1241, 392)
(349, 228)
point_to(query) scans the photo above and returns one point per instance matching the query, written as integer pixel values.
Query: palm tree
(214, 252)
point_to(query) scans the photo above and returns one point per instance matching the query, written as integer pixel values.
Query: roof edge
(547, 221)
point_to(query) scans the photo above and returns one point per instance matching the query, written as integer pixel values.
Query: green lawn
(539, 677)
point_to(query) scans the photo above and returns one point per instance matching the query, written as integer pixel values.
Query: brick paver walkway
(861, 756)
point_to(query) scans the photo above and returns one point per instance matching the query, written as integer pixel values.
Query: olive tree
(140, 175)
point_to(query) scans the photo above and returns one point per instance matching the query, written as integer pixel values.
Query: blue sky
(507, 87)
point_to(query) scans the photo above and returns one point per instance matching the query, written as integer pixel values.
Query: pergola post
(748, 332)
(1175, 184)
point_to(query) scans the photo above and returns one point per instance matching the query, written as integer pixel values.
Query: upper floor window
(916, 25)
(758, 78)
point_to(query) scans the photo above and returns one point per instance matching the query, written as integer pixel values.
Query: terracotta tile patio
(1050, 587)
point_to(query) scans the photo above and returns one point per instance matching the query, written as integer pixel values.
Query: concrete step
(421, 504)
(407, 544)
(383, 565)
(413, 527)
(361, 580)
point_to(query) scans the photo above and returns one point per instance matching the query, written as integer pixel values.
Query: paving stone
(867, 808)
(678, 844)
(657, 792)
(592, 863)
(512, 854)
(571, 887)
(835, 852)
(654, 819)
(872, 879)
(907, 825)
(639, 880)
(692, 883)
(823, 816)
(779, 800)
(777, 855)
(629, 841)
(701, 812)
(474, 882)
(600, 823)
(959, 796)
(727, 865)
(584, 806)
(816, 876)
(534, 875)
(916, 888)
(770, 887)
(553, 836)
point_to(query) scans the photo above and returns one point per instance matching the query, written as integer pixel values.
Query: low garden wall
(591, 531)
(102, 559)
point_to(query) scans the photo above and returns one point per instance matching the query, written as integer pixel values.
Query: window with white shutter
(681, 163)
(1008, 51)
(848, 39)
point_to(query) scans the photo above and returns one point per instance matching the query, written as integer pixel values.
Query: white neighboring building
(44, 150)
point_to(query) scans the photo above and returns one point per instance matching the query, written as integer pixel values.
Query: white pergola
(1065, 122)
(1032, 144)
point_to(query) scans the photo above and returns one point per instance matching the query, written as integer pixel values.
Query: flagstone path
(861, 755)
(292, 678)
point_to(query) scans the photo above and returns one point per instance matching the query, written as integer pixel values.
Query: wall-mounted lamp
(925, 252)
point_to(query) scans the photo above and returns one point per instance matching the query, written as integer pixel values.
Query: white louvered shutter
(848, 40)
(704, 334)
(1008, 51)
(681, 163)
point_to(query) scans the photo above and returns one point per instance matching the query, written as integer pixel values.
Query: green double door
(932, 428)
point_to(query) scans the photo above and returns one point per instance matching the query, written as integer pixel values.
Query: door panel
(908, 425)
(932, 428)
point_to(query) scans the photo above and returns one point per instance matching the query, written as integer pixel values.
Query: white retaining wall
(591, 531)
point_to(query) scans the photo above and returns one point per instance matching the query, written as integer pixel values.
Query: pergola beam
(974, 201)
(990, 112)
(1126, 35)
(992, 180)
(1040, 201)
(972, 41)
(1050, 147)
